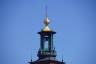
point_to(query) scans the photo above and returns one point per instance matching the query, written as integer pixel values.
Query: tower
(46, 46)
(46, 53)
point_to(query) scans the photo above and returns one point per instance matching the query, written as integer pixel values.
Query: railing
(47, 52)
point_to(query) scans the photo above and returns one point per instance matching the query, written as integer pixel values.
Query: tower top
(46, 22)
(46, 53)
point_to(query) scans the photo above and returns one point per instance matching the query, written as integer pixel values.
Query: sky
(73, 20)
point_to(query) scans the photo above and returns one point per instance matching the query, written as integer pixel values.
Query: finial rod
(46, 11)
(62, 57)
(31, 56)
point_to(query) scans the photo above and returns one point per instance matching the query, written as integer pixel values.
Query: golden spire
(46, 22)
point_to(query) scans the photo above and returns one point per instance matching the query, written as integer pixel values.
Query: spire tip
(46, 11)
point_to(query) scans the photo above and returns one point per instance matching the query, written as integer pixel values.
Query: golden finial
(46, 22)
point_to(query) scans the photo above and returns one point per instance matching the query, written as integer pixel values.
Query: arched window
(46, 44)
